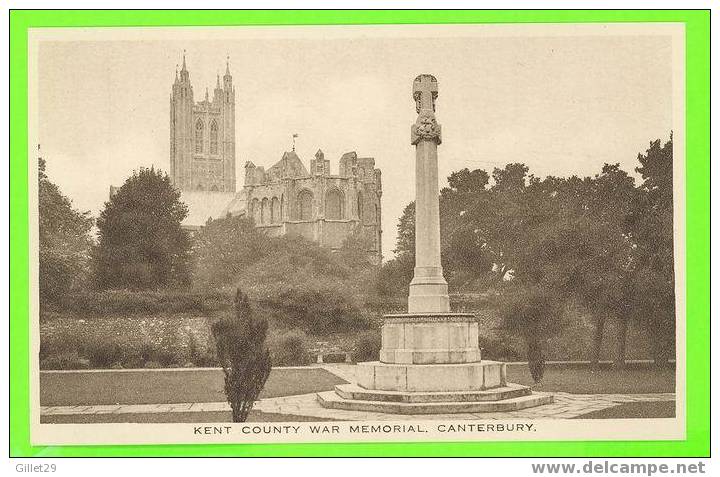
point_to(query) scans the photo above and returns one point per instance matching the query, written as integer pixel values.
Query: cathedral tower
(202, 135)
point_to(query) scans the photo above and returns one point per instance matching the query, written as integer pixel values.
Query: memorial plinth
(430, 360)
(424, 338)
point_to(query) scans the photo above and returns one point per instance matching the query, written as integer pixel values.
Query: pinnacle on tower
(184, 75)
(227, 81)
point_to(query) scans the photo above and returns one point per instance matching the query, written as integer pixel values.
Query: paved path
(566, 406)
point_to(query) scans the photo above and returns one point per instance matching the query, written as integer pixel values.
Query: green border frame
(697, 24)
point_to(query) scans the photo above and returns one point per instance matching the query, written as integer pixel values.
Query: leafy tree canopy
(603, 242)
(64, 240)
(141, 242)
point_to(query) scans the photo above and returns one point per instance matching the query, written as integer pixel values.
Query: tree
(243, 355)
(535, 314)
(310, 286)
(141, 242)
(64, 241)
(599, 241)
(395, 275)
(225, 248)
(598, 246)
(464, 248)
(654, 265)
(406, 232)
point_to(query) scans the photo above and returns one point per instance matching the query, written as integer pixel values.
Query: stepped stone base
(432, 389)
(430, 363)
(509, 398)
(354, 392)
(431, 377)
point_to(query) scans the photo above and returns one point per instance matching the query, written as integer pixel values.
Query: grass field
(582, 379)
(165, 387)
(203, 385)
(145, 418)
(634, 410)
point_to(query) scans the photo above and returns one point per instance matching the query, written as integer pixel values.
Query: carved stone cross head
(425, 91)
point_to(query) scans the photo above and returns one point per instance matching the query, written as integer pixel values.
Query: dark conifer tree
(141, 242)
(243, 355)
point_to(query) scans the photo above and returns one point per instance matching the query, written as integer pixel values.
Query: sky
(562, 105)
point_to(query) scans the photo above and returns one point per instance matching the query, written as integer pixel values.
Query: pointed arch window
(213, 137)
(334, 205)
(304, 205)
(360, 211)
(264, 211)
(255, 211)
(275, 213)
(199, 126)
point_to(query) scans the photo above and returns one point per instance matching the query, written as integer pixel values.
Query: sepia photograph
(357, 233)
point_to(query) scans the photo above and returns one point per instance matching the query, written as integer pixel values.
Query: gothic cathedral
(202, 135)
(284, 199)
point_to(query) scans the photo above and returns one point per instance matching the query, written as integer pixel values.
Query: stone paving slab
(566, 406)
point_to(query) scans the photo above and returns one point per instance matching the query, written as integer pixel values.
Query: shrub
(167, 352)
(290, 349)
(243, 355)
(334, 357)
(535, 314)
(102, 353)
(224, 248)
(318, 310)
(127, 343)
(64, 360)
(395, 275)
(198, 355)
(55, 345)
(312, 287)
(499, 348)
(150, 355)
(367, 347)
(132, 302)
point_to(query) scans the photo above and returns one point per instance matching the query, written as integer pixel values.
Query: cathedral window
(264, 212)
(255, 211)
(213, 137)
(304, 205)
(360, 207)
(334, 205)
(275, 214)
(199, 136)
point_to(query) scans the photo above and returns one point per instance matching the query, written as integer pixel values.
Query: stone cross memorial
(430, 359)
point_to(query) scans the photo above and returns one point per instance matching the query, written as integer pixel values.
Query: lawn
(175, 417)
(165, 387)
(582, 379)
(206, 385)
(634, 410)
